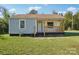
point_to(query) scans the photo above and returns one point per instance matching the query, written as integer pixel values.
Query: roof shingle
(37, 16)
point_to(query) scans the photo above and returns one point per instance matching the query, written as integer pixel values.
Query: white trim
(24, 23)
(35, 25)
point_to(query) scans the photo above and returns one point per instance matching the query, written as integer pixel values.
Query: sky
(41, 8)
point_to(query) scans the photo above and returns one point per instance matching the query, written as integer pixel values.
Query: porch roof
(39, 16)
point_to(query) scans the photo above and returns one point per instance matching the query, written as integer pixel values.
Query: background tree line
(4, 20)
(70, 21)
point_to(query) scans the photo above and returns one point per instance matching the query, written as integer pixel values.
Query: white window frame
(20, 23)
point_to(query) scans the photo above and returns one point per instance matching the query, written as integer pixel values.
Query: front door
(40, 27)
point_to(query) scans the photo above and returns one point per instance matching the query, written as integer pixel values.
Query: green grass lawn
(67, 44)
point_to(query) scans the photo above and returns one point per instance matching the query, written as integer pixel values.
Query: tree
(76, 21)
(2, 26)
(54, 12)
(4, 20)
(68, 19)
(33, 11)
(61, 14)
(5, 14)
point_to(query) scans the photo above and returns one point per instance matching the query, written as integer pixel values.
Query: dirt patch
(75, 46)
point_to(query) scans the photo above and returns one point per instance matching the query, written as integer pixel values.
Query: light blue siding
(30, 26)
(14, 27)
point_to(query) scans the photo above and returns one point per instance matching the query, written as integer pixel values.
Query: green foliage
(54, 12)
(68, 19)
(76, 21)
(4, 21)
(3, 26)
(6, 15)
(33, 12)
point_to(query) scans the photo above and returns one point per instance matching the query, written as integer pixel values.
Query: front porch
(47, 27)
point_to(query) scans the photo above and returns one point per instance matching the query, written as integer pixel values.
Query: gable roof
(23, 16)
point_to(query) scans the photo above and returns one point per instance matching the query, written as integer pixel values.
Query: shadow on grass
(65, 34)
(3, 38)
(71, 34)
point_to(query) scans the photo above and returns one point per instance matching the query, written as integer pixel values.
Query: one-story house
(36, 24)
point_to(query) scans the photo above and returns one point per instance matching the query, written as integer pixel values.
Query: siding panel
(14, 26)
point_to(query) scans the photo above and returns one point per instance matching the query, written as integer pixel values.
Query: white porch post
(35, 28)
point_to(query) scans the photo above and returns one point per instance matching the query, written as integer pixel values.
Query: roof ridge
(37, 16)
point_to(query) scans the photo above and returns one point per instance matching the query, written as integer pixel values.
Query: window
(57, 23)
(22, 24)
(50, 24)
